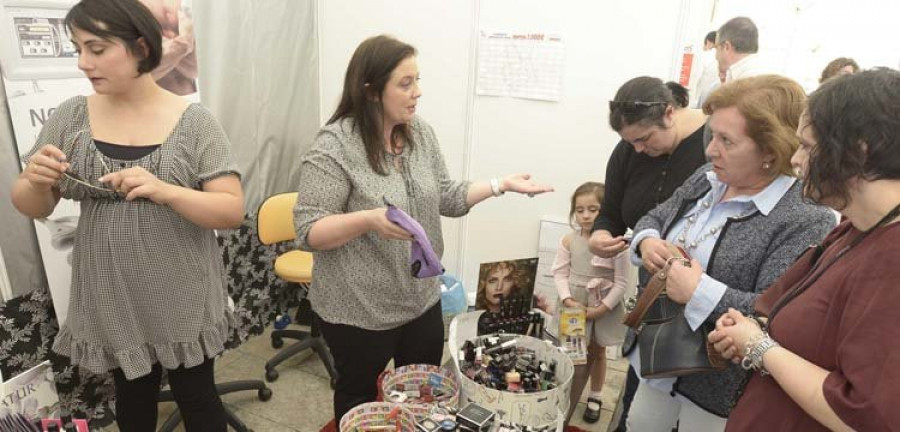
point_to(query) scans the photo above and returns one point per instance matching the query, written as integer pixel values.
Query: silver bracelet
(754, 351)
(495, 187)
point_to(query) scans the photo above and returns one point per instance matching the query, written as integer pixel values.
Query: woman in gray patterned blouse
(154, 178)
(373, 150)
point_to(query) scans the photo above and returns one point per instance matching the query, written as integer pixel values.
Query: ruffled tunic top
(148, 285)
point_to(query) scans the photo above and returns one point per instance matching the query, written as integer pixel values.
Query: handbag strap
(655, 287)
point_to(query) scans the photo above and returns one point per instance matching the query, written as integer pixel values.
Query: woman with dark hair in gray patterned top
(375, 149)
(154, 178)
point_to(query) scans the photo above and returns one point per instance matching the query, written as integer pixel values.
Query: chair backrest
(275, 220)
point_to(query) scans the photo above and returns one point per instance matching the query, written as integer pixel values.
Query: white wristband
(495, 187)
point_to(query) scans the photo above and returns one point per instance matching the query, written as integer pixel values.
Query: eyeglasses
(633, 106)
(77, 178)
(99, 156)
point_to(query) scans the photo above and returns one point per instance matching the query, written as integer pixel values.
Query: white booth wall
(800, 37)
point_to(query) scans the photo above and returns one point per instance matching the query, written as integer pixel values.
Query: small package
(572, 334)
(475, 417)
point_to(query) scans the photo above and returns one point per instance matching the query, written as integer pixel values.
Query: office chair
(276, 224)
(262, 392)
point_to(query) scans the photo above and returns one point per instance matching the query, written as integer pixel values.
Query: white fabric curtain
(259, 77)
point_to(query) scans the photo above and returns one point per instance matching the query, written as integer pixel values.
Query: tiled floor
(301, 398)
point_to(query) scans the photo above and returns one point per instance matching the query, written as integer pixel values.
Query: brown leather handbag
(669, 348)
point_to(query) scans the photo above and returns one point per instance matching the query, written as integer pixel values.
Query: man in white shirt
(709, 77)
(737, 42)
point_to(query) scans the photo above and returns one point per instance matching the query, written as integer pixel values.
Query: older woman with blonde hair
(742, 220)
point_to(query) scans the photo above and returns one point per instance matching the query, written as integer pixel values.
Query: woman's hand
(604, 245)
(722, 343)
(379, 223)
(654, 253)
(522, 184)
(683, 280)
(569, 302)
(136, 182)
(595, 312)
(540, 302)
(45, 168)
(733, 331)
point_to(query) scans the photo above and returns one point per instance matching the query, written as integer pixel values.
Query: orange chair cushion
(295, 266)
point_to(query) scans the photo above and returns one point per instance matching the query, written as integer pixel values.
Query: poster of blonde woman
(505, 280)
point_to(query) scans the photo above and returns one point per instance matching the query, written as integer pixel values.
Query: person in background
(661, 146)
(373, 150)
(737, 46)
(825, 357)
(838, 67)
(709, 76)
(742, 220)
(595, 284)
(154, 177)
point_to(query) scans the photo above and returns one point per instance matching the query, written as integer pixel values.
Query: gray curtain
(17, 237)
(259, 77)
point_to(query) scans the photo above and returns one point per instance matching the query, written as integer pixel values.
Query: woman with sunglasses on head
(827, 359)
(154, 178)
(373, 151)
(661, 146)
(742, 220)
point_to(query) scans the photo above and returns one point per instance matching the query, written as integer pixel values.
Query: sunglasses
(633, 106)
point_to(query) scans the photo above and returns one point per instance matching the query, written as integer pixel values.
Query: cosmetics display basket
(377, 415)
(537, 409)
(412, 377)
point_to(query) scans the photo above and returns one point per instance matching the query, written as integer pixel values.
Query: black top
(636, 183)
(123, 152)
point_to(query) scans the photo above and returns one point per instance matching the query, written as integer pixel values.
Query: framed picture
(505, 280)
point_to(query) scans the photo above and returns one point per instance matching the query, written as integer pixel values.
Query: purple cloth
(423, 261)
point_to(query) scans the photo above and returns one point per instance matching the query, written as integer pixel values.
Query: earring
(766, 165)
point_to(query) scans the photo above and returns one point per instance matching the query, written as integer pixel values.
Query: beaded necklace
(691, 220)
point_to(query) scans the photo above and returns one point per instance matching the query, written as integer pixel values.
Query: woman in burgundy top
(830, 358)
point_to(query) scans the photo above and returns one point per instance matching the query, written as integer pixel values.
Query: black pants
(360, 355)
(194, 390)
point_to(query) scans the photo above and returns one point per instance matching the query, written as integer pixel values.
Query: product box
(572, 334)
